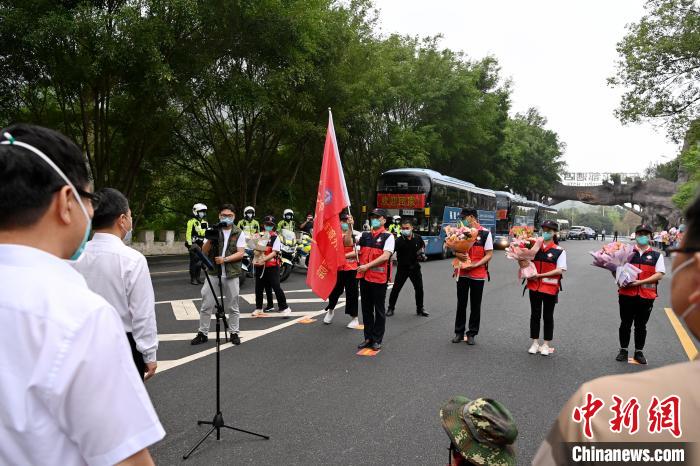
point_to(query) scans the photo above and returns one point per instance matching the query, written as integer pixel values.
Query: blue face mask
(547, 235)
(227, 220)
(376, 223)
(78, 252)
(268, 227)
(406, 232)
(642, 240)
(345, 226)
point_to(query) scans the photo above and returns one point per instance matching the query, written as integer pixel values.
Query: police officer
(194, 234)
(248, 223)
(409, 252)
(376, 248)
(395, 227)
(550, 262)
(287, 222)
(637, 299)
(470, 282)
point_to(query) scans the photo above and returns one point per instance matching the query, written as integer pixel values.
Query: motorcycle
(288, 250)
(246, 267)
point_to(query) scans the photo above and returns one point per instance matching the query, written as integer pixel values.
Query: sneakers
(471, 339)
(534, 348)
(193, 281)
(458, 339)
(622, 355)
(365, 344)
(376, 346)
(257, 313)
(199, 339)
(639, 357)
(235, 339)
(328, 318)
(390, 312)
(269, 309)
(286, 312)
(545, 350)
(421, 312)
(354, 324)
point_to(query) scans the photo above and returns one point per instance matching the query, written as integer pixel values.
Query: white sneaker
(534, 348)
(354, 323)
(328, 318)
(257, 312)
(286, 312)
(545, 350)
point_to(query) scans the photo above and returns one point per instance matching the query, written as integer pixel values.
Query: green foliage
(659, 66)
(183, 101)
(667, 170)
(690, 161)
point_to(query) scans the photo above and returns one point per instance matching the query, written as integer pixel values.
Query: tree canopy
(182, 101)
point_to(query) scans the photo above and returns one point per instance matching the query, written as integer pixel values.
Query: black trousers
(373, 311)
(403, 274)
(468, 288)
(195, 266)
(347, 281)
(138, 357)
(542, 306)
(634, 310)
(268, 276)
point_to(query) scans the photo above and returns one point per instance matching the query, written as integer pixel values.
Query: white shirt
(390, 243)
(277, 245)
(488, 244)
(120, 275)
(660, 265)
(69, 393)
(241, 243)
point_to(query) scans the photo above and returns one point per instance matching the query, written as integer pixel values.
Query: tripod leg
(198, 443)
(247, 432)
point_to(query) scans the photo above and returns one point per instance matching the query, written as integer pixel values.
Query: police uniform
(195, 235)
(286, 225)
(544, 292)
(470, 284)
(249, 227)
(636, 302)
(373, 282)
(395, 229)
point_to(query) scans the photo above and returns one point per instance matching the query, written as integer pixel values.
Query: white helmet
(250, 208)
(396, 217)
(288, 212)
(198, 207)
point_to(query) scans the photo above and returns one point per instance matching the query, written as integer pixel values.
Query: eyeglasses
(226, 215)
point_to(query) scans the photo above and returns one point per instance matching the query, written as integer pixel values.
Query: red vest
(646, 261)
(476, 253)
(546, 261)
(275, 261)
(372, 247)
(350, 262)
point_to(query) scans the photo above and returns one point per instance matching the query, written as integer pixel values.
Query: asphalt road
(304, 386)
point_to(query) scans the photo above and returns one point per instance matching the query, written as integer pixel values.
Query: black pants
(195, 266)
(347, 281)
(373, 312)
(542, 307)
(138, 357)
(403, 274)
(474, 289)
(268, 276)
(634, 310)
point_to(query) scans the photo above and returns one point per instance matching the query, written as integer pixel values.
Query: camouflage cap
(482, 430)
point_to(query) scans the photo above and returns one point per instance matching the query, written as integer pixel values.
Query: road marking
(245, 336)
(169, 271)
(367, 352)
(683, 336)
(185, 310)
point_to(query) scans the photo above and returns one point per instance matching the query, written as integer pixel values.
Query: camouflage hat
(482, 430)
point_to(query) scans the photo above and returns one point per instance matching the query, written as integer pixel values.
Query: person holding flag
(376, 248)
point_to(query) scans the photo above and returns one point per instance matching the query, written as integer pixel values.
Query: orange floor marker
(367, 352)
(308, 320)
(632, 361)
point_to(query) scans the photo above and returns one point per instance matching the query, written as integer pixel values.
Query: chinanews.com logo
(629, 418)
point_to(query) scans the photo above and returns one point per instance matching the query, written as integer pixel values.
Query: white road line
(169, 271)
(185, 310)
(169, 364)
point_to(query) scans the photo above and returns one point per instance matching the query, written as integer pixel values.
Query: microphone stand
(218, 422)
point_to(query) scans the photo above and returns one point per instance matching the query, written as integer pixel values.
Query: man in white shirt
(68, 391)
(120, 275)
(226, 255)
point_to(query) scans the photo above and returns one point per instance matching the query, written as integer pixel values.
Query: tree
(659, 66)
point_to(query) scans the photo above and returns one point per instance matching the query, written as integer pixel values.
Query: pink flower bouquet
(616, 257)
(460, 239)
(523, 248)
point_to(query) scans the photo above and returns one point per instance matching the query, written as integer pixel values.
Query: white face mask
(693, 307)
(11, 141)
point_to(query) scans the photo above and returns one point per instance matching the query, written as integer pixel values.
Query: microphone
(203, 259)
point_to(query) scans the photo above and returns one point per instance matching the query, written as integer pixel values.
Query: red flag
(327, 253)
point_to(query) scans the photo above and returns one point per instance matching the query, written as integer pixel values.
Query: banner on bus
(400, 201)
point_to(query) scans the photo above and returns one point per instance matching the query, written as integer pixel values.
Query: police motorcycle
(288, 249)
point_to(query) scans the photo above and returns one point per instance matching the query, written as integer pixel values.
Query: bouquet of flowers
(460, 239)
(523, 248)
(258, 243)
(616, 257)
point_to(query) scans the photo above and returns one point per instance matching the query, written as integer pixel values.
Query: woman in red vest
(470, 283)
(637, 299)
(267, 271)
(347, 277)
(544, 287)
